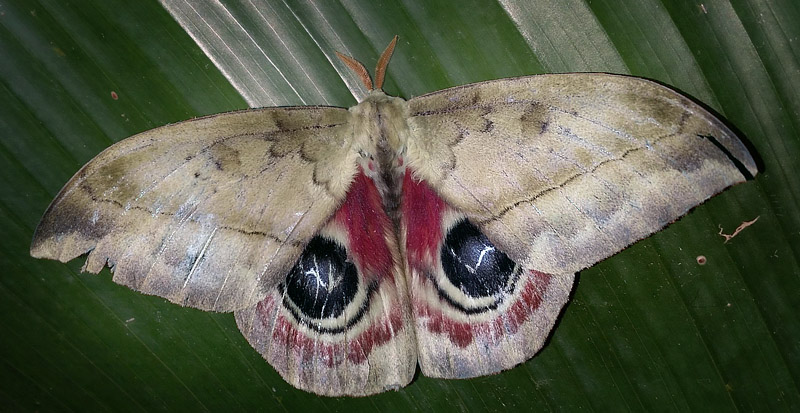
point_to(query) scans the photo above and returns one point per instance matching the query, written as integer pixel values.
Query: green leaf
(648, 329)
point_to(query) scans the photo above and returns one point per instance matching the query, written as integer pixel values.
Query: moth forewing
(562, 171)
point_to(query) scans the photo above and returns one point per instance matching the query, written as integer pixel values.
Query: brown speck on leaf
(701, 260)
(739, 229)
(114, 95)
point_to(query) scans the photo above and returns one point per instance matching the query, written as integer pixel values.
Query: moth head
(380, 69)
(380, 131)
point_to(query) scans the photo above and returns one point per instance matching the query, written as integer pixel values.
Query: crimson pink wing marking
(492, 313)
(339, 323)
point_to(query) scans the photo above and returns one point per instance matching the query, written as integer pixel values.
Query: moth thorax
(379, 119)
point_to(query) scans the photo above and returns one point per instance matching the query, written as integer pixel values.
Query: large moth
(353, 244)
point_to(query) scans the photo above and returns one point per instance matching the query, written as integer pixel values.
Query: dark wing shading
(210, 212)
(339, 323)
(562, 171)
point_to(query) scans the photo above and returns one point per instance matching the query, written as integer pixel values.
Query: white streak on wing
(334, 278)
(269, 262)
(315, 272)
(483, 253)
(200, 257)
(164, 241)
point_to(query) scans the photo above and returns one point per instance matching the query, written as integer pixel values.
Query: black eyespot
(473, 264)
(322, 282)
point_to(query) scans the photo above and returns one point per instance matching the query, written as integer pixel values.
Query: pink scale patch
(366, 222)
(462, 334)
(356, 350)
(378, 333)
(422, 214)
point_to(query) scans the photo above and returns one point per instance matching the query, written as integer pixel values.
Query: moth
(353, 244)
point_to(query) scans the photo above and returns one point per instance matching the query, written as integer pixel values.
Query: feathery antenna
(380, 69)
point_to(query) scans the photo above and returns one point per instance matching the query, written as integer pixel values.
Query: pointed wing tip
(51, 244)
(752, 170)
(42, 249)
(751, 166)
(38, 252)
(735, 150)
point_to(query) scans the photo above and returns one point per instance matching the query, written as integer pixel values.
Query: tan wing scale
(562, 171)
(208, 212)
